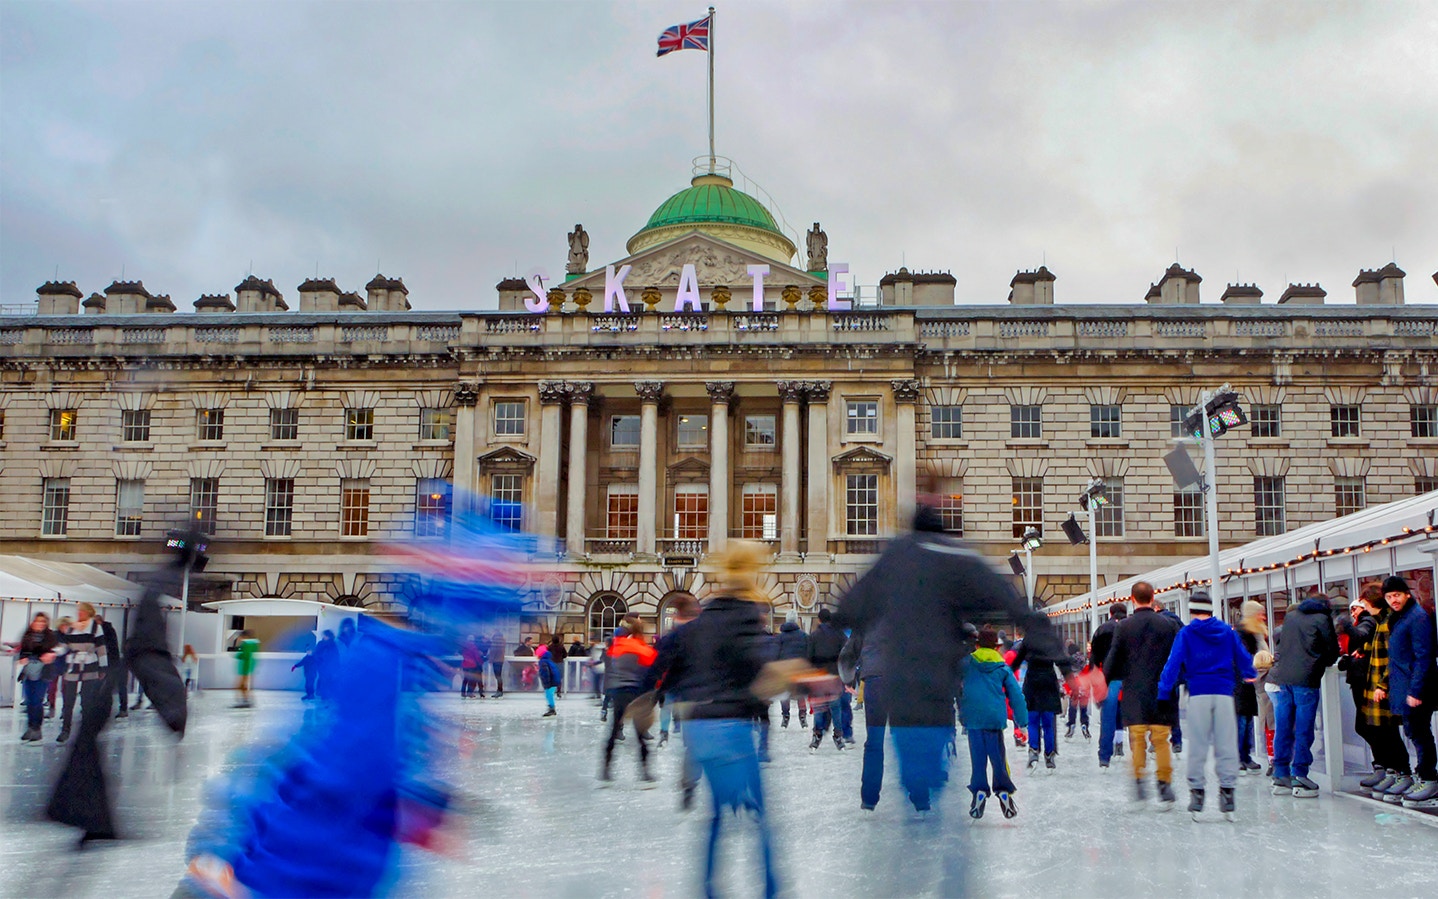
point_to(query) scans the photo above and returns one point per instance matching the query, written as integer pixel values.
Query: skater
(1109, 741)
(1140, 650)
(86, 657)
(1305, 645)
(1412, 690)
(190, 667)
(793, 644)
(471, 666)
(1253, 631)
(551, 674)
(628, 661)
(870, 673)
(327, 663)
(671, 692)
(35, 653)
(1043, 697)
(923, 588)
(496, 661)
(245, 666)
(1078, 699)
(307, 662)
(1210, 658)
(825, 644)
(989, 689)
(80, 798)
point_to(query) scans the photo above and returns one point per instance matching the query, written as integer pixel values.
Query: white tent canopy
(1396, 536)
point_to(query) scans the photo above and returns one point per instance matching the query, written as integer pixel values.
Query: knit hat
(1395, 584)
(1199, 603)
(791, 617)
(1250, 609)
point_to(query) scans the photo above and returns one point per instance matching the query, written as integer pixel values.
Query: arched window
(605, 612)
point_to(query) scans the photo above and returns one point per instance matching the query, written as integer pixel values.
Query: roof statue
(818, 246)
(578, 251)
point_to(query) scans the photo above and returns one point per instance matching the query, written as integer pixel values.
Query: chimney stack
(126, 298)
(254, 295)
(387, 294)
(319, 295)
(1178, 286)
(1035, 288)
(1380, 287)
(58, 298)
(214, 302)
(1303, 295)
(1242, 295)
(512, 292)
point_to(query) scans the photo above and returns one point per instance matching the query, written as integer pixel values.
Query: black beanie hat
(825, 614)
(1396, 584)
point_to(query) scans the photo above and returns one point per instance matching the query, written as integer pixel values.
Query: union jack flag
(692, 36)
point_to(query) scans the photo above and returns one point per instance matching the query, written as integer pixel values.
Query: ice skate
(1382, 786)
(63, 735)
(1372, 780)
(1033, 760)
(1282, 786)
(1423, 795)
(816, 740)
(1166, 799)
(1051, 761)
(839, 742)
(784, 722)
(1085, 731)
(1006, 804)
(647, 781)
(976, 806)
(663, 739)
(1394, 794)
(549, 713)
(1118, 750)
(1303, 788)
(1140, 792)
(31, 735)
(686, 800)
(1226, 803)
(1069, 732)
(1195, 803)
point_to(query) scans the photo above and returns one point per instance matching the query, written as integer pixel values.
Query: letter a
(614, 289)
(688, 295)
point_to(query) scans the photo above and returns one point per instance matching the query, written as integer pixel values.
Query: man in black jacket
(1109, 715)
(793, 644)
(1141, 645)
(1306, 644)
(923, 589)
(825, 645)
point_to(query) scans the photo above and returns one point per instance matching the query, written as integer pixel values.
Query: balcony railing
(683, 547)
(609, 546)
(856, 547)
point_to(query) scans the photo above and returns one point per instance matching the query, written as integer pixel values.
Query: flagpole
(711, 90)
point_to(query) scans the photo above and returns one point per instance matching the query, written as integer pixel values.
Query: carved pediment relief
(715, 262)
(862, 457)
(689, 468)
(506, 457)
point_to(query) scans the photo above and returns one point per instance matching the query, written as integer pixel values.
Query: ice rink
(537, 825)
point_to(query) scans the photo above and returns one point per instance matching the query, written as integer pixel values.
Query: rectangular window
(135, 425)
(624, 431)
(509, 418)
(1349, 496)
(354, 507)
(210, 424)
(946, 422)
(1424, 485)
(1266, 420)
(129, 507)
(359, 424)
(62, 424)
(2, 424)
(1176, 417)
(1268, 507)
(862, 417)
(431, 507)
(691, 512)
(204, 503)
(951, 505)
(1028, 499)
(1424, 420)
(1188, 513)
(506, 492)
(285, 424)
(759, 432)
(693, 431)
(434, 424)
(55, 510)
(622, 512)
(279, 506)
(1108, 521)
(1105, 421)
(759, 512)
(861, 505)
(1345, 420)
(1026, 422)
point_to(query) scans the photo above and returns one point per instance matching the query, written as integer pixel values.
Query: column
(580, 393)
(550, 443)
(817, 525)
(650, 393)
(721, 396)
(466, 397)
(791, 392)
(906, 482)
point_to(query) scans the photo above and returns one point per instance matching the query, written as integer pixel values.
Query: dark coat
(715, 658)
(1141, 646)
(1042, 689)
(1102, 640)
(924, 588)
(1245, 697)
(825, 644)
(1354, 665)
(1305, 645)
(550, 672)
(1410, 658)
(793, 642)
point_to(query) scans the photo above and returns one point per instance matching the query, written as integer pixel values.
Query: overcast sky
(455, 144)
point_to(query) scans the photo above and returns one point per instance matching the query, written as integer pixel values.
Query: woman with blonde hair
(1253, 631)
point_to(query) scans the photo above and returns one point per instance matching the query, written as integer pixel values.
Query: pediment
(716, 262)
(862, 457)
(689, 466)
(508, 457)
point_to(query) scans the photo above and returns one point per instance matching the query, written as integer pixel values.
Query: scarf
(1376, 713)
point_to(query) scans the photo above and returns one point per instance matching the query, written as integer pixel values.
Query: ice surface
(536, 825)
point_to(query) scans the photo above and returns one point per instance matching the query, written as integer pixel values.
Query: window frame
(283, 420)
(946, 416)
(1032, 488)
(1025, 416)
(688, 421)
(950, 492)
(64, 425)
(129, 517)
(1423, 420)
(509, 425)
(1424, 484)
(55, 496)
(431, 507)
(1264, 491)
(609, 615)
(279, 507)
(861, 426)
(759, 520)
(1345, 420)
(627, 510)
(135, 425)
(1190, 514)
(354, 507)
(1177, 415)
(773, 431)
(626, 417)
(204, 500)
(1105, 421)
(861, 496)
(436, 424)
(1350, 495)
(210, 424)
(506, 490)
(1260, 421)
(359, 424)
(1109, 517)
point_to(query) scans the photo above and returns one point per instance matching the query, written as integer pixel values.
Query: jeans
(922, 754)
(1140, 737)
(803, 705)
(827, 713)
(846, 715)
(876, 723)
(986, 749)
(1078, 710)
(35, 702)
(761, 723)
(498, 669)
(1295, 710)
(1418, 725)
(1042, 731)
(1108, 723)
(724, 750)
(1245, 739)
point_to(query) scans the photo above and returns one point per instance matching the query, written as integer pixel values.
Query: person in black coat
(1141, 646)
(1110, 719)
(1359, 628)
(793, 644)
(1043, 694)
(1305, 645)
(826, 643)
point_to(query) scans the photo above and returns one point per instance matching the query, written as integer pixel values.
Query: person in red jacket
(628, 661)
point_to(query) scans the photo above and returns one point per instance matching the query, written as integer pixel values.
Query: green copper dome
(712, 199)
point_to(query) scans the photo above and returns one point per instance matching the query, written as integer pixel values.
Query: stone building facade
(643, 440)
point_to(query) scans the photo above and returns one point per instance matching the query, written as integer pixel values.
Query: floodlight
(1182, 468)
(1032, 540)
(1093, 495)
(189, 549)
(1016, 565)
(1224, 414)
(1074, 532)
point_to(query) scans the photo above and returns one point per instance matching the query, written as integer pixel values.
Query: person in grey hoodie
(1306, 644)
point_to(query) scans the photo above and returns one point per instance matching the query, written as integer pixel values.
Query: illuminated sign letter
(687, 299)
(837, 283)
(540, 301)
(757, 272)
(614, 289)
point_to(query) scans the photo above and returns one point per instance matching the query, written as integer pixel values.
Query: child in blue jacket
(988, 681)
(551, 676)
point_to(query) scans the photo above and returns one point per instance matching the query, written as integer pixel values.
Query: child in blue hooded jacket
(988, 681)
